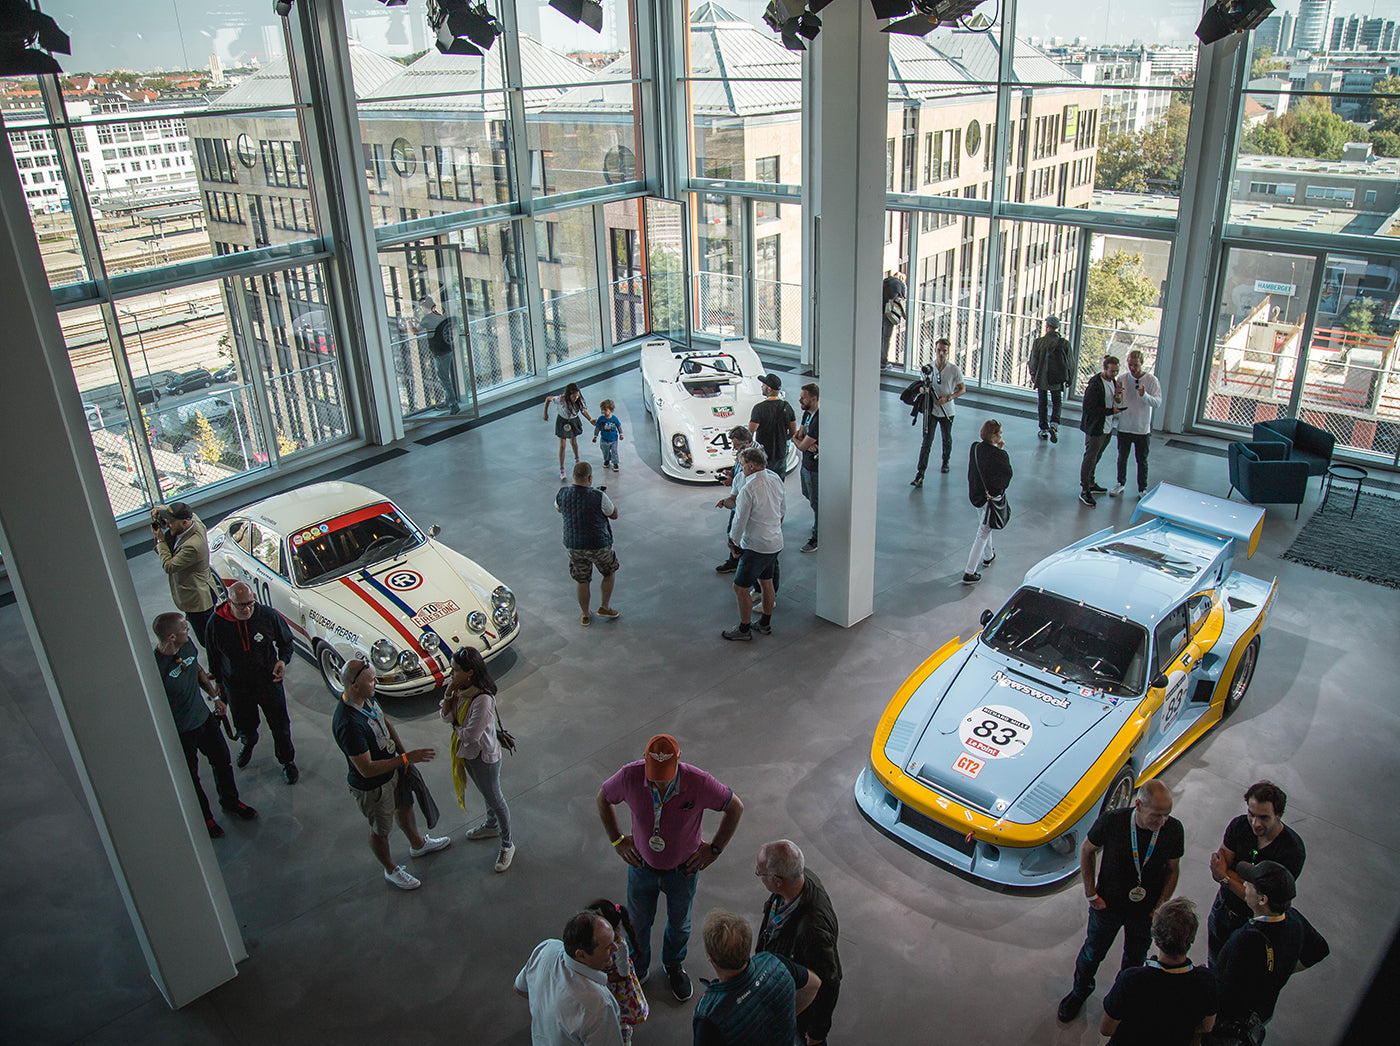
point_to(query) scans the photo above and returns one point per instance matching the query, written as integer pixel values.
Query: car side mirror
(986, 617)
(434, 531)
(1160, 681)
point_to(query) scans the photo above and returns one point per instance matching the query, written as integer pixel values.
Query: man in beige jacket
(183, 548)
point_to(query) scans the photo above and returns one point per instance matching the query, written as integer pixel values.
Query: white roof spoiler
(1203, 512)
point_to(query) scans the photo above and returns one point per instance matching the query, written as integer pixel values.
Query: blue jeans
(643, 885)
(809, 491)
(1103, 928)
(609, 452)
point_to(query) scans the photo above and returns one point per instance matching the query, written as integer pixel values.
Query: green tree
(1121, 163)
(1153, 159)
(1263, 63)
(1385, 111)
(1119, 293)
(666, 281)
(1359, 317)
(1385, 143)
(1310, 130)
(211, 445)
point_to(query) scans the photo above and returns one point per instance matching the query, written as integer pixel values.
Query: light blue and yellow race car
(1113, 657)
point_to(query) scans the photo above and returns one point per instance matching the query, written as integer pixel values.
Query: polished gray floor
(336, 955)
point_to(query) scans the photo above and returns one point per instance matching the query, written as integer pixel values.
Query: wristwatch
(716, 850)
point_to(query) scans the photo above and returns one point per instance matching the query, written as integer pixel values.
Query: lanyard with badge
(1170, 969)
(1137, 893)
(376, 722)
(658, 800)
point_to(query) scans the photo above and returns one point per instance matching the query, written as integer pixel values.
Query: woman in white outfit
(988, 476)
(469, 707)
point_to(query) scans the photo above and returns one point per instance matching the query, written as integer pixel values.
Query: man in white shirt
(570, 1004)
(1141, 392)
(757, 530)
(942, 384)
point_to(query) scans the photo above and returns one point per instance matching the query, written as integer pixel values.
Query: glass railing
(719, 304)
(308, 408)
(572, 326)
(962, 326)
(777, 312)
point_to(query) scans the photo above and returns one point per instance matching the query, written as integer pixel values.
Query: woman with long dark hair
(988, 475)
(567, 427)
(469, 706)
(622, 975)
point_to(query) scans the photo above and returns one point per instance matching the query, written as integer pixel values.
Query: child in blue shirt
(607, 426)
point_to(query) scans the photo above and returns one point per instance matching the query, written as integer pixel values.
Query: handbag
(1238, 1031)
(998, 509)
(503, 736)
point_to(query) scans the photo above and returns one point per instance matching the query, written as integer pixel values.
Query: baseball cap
(1052, 322)
(663, 758)
(772, 381)
(180, 510)
(1271, 879)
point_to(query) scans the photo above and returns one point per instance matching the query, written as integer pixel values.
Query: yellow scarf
(459, 718)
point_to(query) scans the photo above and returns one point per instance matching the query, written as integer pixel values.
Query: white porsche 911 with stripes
(354, 577)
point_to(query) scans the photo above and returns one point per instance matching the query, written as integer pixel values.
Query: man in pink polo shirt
(664, 852)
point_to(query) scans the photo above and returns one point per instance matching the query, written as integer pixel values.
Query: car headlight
(430, 641)
(383, 655)
(503, 597)
(681, 447)
(409, 662)
(502, 616)
(1064, 845)
(476, 621)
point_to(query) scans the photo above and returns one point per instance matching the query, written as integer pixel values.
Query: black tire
(330, 663)
(207, 384)
(1120, 791)
(1243, 675)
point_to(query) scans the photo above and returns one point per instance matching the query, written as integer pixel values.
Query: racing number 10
(998, 734)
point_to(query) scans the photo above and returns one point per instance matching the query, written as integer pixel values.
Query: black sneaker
(1054, 434)
(811, 546)
(679, 982)
(241, 810)
(1070, 1006)
(1044, 434)
(1094, 488)
(761, 628)
(215, 831)
(944, 467)
(917, 481)
(290, 773)
(739, 635)
(971, 579)
(727, 567)
(244, 755)
(988, 561)
(1085, 498)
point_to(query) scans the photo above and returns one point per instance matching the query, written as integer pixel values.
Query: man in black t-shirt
(773, 423)
(374, 755)
(1277, 942)
(1257, 835)
(806, 441)
(1142, 847)
(1167, 1001)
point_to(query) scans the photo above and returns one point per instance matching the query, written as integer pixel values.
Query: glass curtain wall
(174, 199)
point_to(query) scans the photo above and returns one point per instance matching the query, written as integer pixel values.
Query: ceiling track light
(931, 14)
(793, 21)
(28, 38)
(589, 12)
(1231, 16)
(461, 28)
(282, 8)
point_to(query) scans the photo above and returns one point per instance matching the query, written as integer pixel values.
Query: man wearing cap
(183, 548)
(1142, 846)
(374, 755)
(773, 423)
(664, 851)
(249, 645)
(1049, 373)
(1261, 955)
(1258, 834)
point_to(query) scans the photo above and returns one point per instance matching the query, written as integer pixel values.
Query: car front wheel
(1120, 792)
(331, 663)
(1239, 682)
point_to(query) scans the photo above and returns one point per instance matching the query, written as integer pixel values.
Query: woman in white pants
(988, 475)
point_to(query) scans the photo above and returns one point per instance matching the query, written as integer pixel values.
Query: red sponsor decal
(430, 612)
(972, 742)
(968, 765)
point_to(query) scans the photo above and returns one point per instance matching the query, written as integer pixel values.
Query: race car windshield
(350, 542)
(1071, 640)
(713, 367)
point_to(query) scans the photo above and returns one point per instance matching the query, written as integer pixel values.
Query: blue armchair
(1307, 443)
(1264, 474)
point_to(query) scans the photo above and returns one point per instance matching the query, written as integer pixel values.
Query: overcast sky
(167, 34)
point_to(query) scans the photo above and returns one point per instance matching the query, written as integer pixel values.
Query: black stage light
(891, 8)
(932, 14)
(792, 21)
(282, 8)
(589, 12)
(816, 5)
(26, 33)
(808, 25)
(462, 29)
(1231, 16)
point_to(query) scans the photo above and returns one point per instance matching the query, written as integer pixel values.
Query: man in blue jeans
(1142, 846)
(664, 852)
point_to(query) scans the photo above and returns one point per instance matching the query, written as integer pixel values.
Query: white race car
(354, 577)
(696, 397)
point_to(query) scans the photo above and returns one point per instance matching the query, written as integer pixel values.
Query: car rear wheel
(331, 663)
(1120, 792)
(1239, 682)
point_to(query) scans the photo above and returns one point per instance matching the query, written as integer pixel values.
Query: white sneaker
(482, 831)
(1117, 489)
(430, 846)
(401, 878)
(504, 858)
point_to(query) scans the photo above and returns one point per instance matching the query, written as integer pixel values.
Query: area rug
(1367, 547)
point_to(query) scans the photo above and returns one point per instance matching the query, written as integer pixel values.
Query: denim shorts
(754, 566)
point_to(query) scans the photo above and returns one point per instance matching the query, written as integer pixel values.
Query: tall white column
(846, 186)
(80, 608)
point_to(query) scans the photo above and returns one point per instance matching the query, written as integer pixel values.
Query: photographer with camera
(933, 395)
(183, 548)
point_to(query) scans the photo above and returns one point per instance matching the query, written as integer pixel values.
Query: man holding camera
(183, 548)
(933, 396)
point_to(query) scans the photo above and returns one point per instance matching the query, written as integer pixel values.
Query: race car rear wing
(1203, 512)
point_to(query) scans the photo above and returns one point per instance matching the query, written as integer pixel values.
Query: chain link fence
(719, 306)
(777, 312)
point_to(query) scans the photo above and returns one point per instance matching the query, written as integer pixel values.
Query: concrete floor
(785, 720)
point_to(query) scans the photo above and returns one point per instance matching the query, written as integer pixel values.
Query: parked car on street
(199, 378)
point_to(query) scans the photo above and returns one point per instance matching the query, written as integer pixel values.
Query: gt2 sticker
(332, 628)
(1002, 679)
(968, 764)
(998, 731)
(403, 580)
